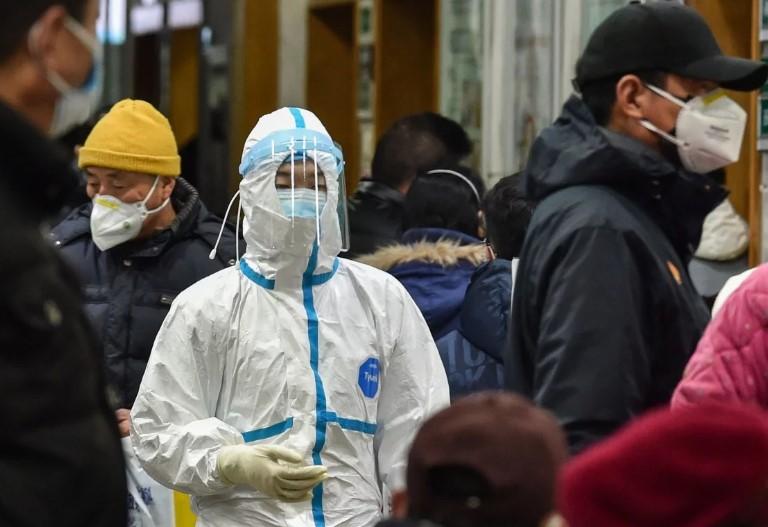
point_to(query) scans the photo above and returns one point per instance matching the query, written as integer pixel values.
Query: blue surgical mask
(301, 202)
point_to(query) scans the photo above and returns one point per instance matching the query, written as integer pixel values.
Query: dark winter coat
(129, 288)
(61, 461)
(605, 315)
(472, 353)
(435, 266)
(375, 218)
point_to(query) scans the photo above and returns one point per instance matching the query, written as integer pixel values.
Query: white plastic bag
(149, 503)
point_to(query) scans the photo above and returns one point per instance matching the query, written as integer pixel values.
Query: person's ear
(400, 505)
(43, 36)
(632, 97)
(554, 520)
(167, 184)
(482, 231)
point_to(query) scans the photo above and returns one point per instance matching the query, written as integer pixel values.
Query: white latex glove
(260, 467)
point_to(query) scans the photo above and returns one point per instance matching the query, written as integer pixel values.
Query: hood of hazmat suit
(293, 347)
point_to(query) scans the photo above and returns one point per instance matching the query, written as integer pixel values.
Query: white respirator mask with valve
(709, 130)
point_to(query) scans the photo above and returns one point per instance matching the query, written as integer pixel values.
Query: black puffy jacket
(129, 288)
(605, 315)
(60, 457)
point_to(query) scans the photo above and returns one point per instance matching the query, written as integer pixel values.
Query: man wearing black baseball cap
(605, 315)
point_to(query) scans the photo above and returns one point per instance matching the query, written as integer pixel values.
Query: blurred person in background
(490, 460)
(605, 315)
(704, 466)
(61, 462)
(285, 391)
(144, 237)
(507, 215)
(442, 246)
(473, 352)
(410, 146)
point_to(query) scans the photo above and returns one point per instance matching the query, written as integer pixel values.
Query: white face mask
(114, 222)
(77, 104)
(709, 130)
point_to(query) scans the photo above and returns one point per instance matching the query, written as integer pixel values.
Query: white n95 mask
(709, 130)
(114, 222)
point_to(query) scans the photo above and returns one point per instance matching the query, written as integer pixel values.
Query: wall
(254, 72)
(292, 76)
(735, 26)
(185, 92)
(331, 80)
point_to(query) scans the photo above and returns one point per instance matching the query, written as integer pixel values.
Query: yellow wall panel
(734, 23)
(254, 71)
(185, 92)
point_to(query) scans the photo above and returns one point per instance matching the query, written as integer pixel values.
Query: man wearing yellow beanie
(144, 237)
(130, 158)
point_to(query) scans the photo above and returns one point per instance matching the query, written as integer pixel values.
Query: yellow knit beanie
(133, 137)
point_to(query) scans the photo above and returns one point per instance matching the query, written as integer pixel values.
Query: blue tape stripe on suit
(320, 406)
(270, 431)
(357, 426)
(298, 118)
(266, 283)
(320, 279)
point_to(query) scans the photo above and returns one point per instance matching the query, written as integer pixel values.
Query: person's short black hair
(416, 143)
(449, 132)
(445, 201)
(507, 215)
(18, 16)
(600, 95)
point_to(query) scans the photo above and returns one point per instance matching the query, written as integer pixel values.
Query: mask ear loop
(237, 230)
(88, 40)
(293, 192)
(143, 203)
(669, 137)
(212, 254)
(317, 195)
(653, 128)
(668, 96)
(304, 156)
(272, 220)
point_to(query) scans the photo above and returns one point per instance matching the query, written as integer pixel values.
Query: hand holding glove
(260, 467)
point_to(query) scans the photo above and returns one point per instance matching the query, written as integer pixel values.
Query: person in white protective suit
(286, 391)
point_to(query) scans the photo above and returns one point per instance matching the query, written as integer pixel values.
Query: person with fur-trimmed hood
(441, 247)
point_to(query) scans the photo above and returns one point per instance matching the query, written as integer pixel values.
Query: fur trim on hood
(443, 252)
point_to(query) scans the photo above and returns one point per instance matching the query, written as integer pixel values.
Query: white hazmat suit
(293, 347)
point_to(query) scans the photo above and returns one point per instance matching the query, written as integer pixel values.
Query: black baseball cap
(668, 37)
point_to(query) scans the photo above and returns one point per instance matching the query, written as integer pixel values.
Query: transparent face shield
(341, 207)
(305, 171)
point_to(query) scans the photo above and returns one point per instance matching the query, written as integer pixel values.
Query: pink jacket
(731, 360)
